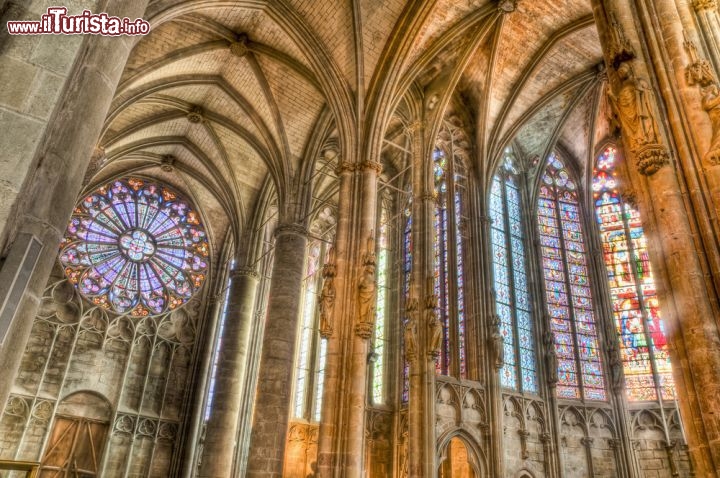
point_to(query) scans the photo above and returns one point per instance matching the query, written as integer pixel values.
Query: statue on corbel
(551, 359)
(497, 343)
(326, 300)
(412, 309)
(366, 291)
(434, 326)
(634, 106)
(699, 72)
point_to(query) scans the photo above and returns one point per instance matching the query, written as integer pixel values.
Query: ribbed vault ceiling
(245, 94)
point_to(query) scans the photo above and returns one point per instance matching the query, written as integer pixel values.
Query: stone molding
(292, 228)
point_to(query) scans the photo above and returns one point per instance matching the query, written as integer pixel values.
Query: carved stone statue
(634, 107)
(366, 293)
(711, 105)
(497, 343)
(410, 331)
(551, 360)
(616, 370)
(434, 326)
(326, 301)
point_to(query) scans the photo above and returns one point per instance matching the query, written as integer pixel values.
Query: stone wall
(139, 368)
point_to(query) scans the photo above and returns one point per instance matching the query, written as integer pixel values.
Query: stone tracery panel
(141, 367)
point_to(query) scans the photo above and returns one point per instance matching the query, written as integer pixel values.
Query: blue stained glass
(126, 248)
(511, 300)
(567, 283)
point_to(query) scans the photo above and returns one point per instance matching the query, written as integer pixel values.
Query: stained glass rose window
(136, 247)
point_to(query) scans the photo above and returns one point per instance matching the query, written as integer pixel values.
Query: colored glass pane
(567, 286)
(643, 344)
(512, 299)
(135, 247)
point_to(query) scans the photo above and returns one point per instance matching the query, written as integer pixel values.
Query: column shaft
(333, 389)
(357, 386)
(272, 402)
(686, 297)
(222, 427)
(51, 189)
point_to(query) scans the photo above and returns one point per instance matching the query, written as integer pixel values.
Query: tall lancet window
(512, 301)
(567, 286)
(380, 340)
(643, 345)
(312, 349)
(449, 262)
(407, 252)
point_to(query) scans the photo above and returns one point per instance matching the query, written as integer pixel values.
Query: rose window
(135, 247)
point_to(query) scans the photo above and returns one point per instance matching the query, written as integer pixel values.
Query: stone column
(51, 187)
(272, 402)
(222, 427)
(330, 427)
(420, 310)
(364, 322)
(686, 297)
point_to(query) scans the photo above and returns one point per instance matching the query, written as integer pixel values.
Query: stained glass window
(448, 263)
(380, 339)
(135, 247)
(643, 344)
(512, 302)
(567, 286)
(407, 271)
(311, 352)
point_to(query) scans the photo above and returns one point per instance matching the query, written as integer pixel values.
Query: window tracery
(643, 344)
(136, 247)
(512, 300)
(567, 285)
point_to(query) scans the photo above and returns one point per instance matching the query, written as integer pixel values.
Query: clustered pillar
(653, 140)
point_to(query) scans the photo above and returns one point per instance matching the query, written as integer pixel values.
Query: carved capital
(651, 158)
(700, 5)
(344, 167)
(370, 165)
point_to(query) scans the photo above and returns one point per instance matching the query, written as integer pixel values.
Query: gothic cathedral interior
(360, 238)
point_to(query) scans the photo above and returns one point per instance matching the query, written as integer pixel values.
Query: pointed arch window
(512, 300)
(567, 285)
(643, 344)
(312, 348)
(449, 262)
(407, 252)
(380, 339)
